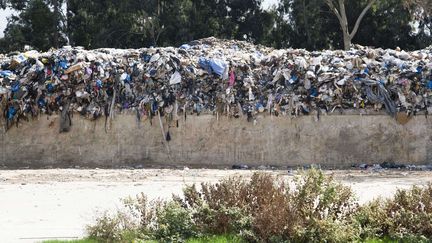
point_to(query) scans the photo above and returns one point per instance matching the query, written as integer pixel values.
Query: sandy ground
(36, 205)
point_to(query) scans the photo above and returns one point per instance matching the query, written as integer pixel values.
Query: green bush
(174, 224)
(217, 239)
(324, 208)
(266, 208)
(115, 228)
(406, 216)
(136, 221)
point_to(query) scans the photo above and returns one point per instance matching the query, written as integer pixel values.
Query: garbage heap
(223, 77)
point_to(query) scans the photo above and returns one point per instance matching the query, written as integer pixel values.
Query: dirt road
(44, 204)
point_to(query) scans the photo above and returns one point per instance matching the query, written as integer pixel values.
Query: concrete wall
(202, 141)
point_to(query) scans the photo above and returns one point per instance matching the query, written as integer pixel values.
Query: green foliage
(114, 228)
(407, 216)
(310, 24)
(264, 208)
(174, 224)
(217, 239)
(71, 241)
(267, 209)
(324, 207)
(133, 24)
(36, 25)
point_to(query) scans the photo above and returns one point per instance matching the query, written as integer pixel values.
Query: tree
(388, 25)
(58, 20)
(31, 12)
(422, 7)
(36, 25)
(421, 11)
(338, 8)
(105, 23)
(305, 24)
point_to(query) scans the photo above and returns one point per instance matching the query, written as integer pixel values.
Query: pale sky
(5, 13)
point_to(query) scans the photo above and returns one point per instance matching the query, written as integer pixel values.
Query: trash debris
(263, 167)
(375, 168)
(222, 77)
(392, 165)
(363, 166)
(240, 167)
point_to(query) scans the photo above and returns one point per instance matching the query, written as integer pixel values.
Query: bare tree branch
(360, 18)
(334, 9)
(343, 14)
(340, 12)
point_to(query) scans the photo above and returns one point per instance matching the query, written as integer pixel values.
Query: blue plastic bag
(41, 102)
(185, 46)
(50, 87)
(11, 112)
(5, 73)
(204, 64)
(15, 87)
(63, 64)
(218, 66)
(99, 83)
(429, 84)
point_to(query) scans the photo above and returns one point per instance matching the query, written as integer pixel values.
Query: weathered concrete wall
(334, 141)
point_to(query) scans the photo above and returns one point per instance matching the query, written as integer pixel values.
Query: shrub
(136, 220)
(217, 239)
(324, 207)
(264, 208)
(406, 216)
(116, 228)
(174, 224)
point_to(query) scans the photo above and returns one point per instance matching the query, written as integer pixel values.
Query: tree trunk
(347, 40)
(57, 22)
(306, 24)
(340, 13)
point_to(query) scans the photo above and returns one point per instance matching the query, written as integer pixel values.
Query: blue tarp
(216, 66)
(204, 64)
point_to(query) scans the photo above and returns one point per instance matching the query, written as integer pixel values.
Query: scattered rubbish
(375, 168)
(311, 166)
(222, 77)
(363, 166)
(420, 167)
(263, 167)
(392, 165)
(240, 167)
(138, 166)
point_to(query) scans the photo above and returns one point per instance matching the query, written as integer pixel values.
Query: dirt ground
(36, 205)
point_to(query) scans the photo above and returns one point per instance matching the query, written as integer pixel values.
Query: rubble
(221, 77)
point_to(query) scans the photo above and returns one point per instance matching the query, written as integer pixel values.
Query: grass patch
(384, 240)
(217, 239)
(71, 241)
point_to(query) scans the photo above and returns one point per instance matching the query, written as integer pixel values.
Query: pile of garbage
(223, 77)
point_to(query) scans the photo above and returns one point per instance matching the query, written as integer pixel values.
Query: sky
(5, 13)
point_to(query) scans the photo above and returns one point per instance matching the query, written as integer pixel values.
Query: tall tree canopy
(38, 24)
(312, 25)
(309, 24)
